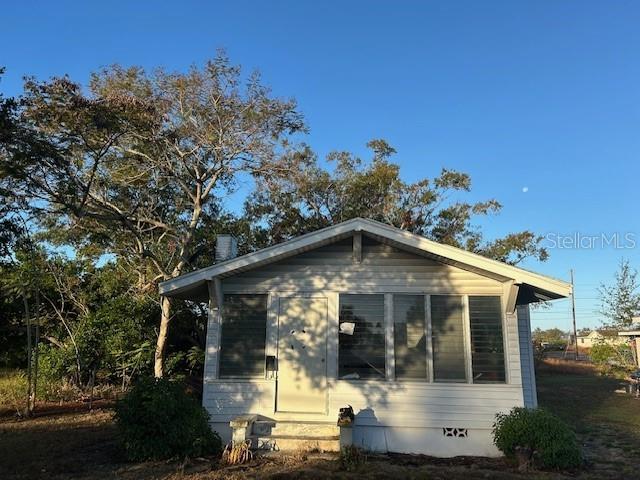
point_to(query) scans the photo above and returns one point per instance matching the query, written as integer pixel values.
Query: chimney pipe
(226, 247)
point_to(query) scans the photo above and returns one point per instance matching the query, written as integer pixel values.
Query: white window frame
(466, 327)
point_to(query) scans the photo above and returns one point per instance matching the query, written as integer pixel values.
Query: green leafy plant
(157, 419)
(351, 458)
(536, 437)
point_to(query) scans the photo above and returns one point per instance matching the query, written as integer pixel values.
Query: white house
(595, 337)
(425, 341)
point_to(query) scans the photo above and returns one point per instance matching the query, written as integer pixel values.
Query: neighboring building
(595, 337)
(427, 342)
(632, 337)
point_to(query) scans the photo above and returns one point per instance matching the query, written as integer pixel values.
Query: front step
(288, 443)
(269, 434)
(301, 435)
(312, 429)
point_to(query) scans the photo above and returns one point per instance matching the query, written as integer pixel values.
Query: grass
(74, 443)
(587, 400)
(606, 422)
(554, 366)
(13, 391)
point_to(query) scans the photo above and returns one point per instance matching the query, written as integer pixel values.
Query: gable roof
(538, 287)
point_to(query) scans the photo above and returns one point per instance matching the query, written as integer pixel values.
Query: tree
(312, 197)
(140, 164)
(620, 302)
(553, 336)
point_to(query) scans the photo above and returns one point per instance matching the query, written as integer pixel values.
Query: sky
(538, 101)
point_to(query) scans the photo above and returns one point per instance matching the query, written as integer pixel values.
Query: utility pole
(573, 312)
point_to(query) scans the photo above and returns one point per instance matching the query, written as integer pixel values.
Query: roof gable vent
(226, 247)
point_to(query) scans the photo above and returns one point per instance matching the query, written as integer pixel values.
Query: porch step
(305, 429)
(284, 443)
(286, 435)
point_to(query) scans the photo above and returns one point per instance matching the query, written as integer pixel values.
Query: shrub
(535, 435)
(157, 419)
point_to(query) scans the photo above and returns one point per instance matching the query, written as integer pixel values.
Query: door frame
(327, 325)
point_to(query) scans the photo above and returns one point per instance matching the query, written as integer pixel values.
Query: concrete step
(305, 429)
(288, 443)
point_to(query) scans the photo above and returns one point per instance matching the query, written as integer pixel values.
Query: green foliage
(546, 438)
(127, 336)
(157, 419)
(312, 196)
(552, 336)
(612, 359)
(602, 353)
(352, 458)
(620, 302)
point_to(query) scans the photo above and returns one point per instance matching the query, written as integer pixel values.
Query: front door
(302, 355)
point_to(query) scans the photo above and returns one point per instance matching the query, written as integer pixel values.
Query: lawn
(73, 443)
(607, 423)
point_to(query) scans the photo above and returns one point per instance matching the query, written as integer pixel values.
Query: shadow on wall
(369, 436)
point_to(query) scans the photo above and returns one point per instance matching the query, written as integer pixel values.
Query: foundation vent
(454, 432)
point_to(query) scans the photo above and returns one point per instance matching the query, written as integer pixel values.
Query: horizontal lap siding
(428, 405)
(225, 400)
(383, 269)
(377, 403)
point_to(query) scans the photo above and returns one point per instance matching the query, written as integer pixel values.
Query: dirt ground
(69, 442)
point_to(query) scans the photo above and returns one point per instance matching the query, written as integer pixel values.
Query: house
(595, 337)
(425, 341)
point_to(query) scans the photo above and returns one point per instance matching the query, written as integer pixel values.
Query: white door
(302, 355)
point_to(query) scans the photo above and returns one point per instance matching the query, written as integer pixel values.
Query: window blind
(243, 336)
(487, 347)
(448, 338)
(361, 352)
(410, 342)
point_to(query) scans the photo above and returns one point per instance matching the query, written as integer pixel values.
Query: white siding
(383, 269)
(330, 270)
(526, 359)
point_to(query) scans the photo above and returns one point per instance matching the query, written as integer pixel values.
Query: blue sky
(540, 96)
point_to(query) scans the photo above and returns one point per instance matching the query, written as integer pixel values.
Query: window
(244, 326)
(448, 338)
(410, 341)
(487, 348)
(361, 351)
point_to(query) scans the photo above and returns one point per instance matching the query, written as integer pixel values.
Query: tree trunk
(161, 344)
(36, 352)
(27, 316)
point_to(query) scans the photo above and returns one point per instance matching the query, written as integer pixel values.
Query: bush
(157, 419)
(535, 435)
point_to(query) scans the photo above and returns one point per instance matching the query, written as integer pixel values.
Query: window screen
(448, 338)
(487, 348)
(244, 326)
(362, 337)
(410, 342)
